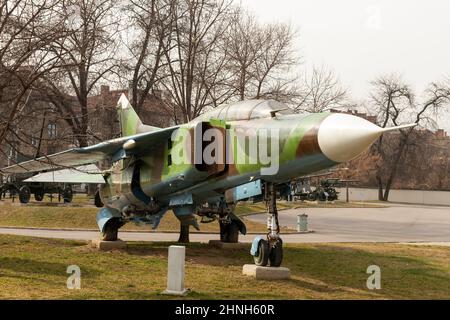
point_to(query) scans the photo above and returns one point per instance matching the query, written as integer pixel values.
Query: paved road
(398, 223)
(131, 236)
(89, 235)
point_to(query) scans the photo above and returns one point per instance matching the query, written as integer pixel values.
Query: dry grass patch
(36, 268)
(69, 217)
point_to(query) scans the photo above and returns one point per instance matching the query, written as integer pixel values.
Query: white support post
(175, 271)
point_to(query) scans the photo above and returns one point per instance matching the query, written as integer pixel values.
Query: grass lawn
(36, 268)
(83, 217)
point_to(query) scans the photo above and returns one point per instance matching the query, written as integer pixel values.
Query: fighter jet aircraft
(205, 166)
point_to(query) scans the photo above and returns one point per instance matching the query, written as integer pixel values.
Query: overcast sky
(363, 39)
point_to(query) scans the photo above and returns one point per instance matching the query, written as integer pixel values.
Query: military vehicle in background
(24, 190)
(60, 183)
(302, 189)
(325, 191)
(299, 189)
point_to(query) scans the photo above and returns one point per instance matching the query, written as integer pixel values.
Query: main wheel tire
(262, 255)
(322, 196)
(39, 195)
(24, 194)
(111, 230)
(184, 234)
(229, 232)
(232, 232)
(276, 254)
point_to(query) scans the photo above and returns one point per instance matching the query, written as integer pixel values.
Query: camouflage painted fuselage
(203, 167)
(168, 171)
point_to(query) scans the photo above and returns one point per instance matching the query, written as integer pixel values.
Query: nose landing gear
(269, 252)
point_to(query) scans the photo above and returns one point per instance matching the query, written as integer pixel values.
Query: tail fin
(130, 123)
(129, 120)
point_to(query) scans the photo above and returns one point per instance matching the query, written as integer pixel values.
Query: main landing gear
(111, 230)
(230, 224)
(269, 251)
(229, 231)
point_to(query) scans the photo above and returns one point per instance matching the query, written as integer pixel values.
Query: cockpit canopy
(246, 110)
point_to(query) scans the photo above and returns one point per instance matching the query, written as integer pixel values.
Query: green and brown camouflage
(163, 178)
(250, 142)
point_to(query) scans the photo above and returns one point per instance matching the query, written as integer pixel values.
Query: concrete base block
(108, 245)
(175, 293)
(266, 273)
(226, 245)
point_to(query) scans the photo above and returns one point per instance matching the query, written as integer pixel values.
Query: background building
(42, 130)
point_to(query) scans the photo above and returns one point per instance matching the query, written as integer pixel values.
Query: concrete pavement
(127, 235)
(396, 223)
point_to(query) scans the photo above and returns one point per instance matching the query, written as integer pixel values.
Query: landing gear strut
(270, 251)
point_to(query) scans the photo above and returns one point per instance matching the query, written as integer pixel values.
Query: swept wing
(114, 149)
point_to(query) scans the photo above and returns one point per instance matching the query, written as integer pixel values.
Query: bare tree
(273, 68)
(242, 52)
(194, 57)
(87, 53)
(261, 58)
(27, 29)
(150, 37)
(320, 91)
(396, 104)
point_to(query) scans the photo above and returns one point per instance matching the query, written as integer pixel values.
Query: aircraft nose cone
(342, 137)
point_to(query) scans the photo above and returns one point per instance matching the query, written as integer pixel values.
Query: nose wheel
(261, 257)
(269, 251)
(276, 254)
(269, 254)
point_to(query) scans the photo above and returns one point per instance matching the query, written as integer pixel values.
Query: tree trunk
(82, 141)
(394, 170)
(389, 184)
(380, 188)
(386, 193)
(184, 234)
